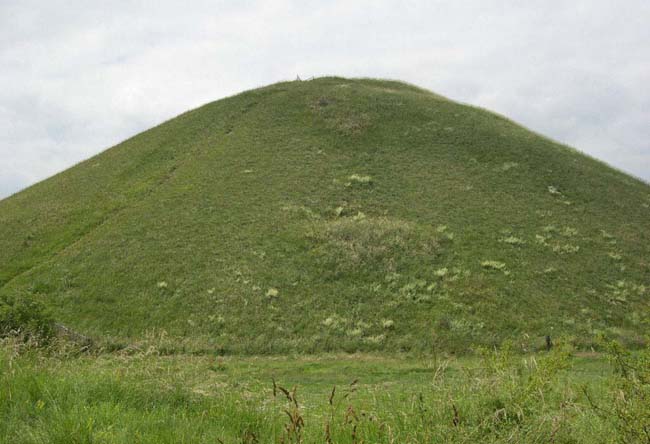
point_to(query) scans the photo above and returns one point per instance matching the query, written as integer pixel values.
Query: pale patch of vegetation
(301, 211)
(335, 322)
(622, 290)
(541, 240)
(493, 265)
(355, 332)
(569, 232)
(443, 230)
(217, 319)
(363, 240)
(556, 246)
(550, 229)
(506, 166)
(615, 255)
(513, 240)
(361, 179)
(565, 248)
(441, 272)
(414, 291)
(375, 340)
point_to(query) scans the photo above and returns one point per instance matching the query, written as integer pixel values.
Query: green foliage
(628, 406)
(21, 316)
(494, 265)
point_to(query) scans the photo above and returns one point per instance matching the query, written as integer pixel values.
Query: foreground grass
(146, 398)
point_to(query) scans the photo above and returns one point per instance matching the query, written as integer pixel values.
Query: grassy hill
(335, 214)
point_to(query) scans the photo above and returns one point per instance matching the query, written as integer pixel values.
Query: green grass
(147, 398)
(302, 216)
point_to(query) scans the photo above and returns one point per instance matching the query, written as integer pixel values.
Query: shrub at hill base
(25, 318)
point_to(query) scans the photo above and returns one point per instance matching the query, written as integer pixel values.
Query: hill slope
(335, 214)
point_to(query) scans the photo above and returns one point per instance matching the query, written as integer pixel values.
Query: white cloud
(79, 79)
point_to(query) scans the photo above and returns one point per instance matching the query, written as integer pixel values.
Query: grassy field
(492, 397)
(334, 215)
(212, 279)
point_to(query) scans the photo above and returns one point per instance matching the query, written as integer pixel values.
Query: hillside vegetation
(334, 215)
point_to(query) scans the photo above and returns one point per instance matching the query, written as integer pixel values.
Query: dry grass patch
(354, 242)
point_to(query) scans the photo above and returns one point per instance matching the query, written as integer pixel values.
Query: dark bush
(25, 317)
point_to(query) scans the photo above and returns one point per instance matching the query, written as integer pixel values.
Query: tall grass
(498, 397)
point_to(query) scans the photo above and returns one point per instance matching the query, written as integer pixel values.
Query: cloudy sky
(78, 77)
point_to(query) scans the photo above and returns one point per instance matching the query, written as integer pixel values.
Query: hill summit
(335, 214)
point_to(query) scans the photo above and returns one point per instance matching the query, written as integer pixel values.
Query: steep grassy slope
(335, 214)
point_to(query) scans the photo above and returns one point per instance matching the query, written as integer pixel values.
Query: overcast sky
(77, 77)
